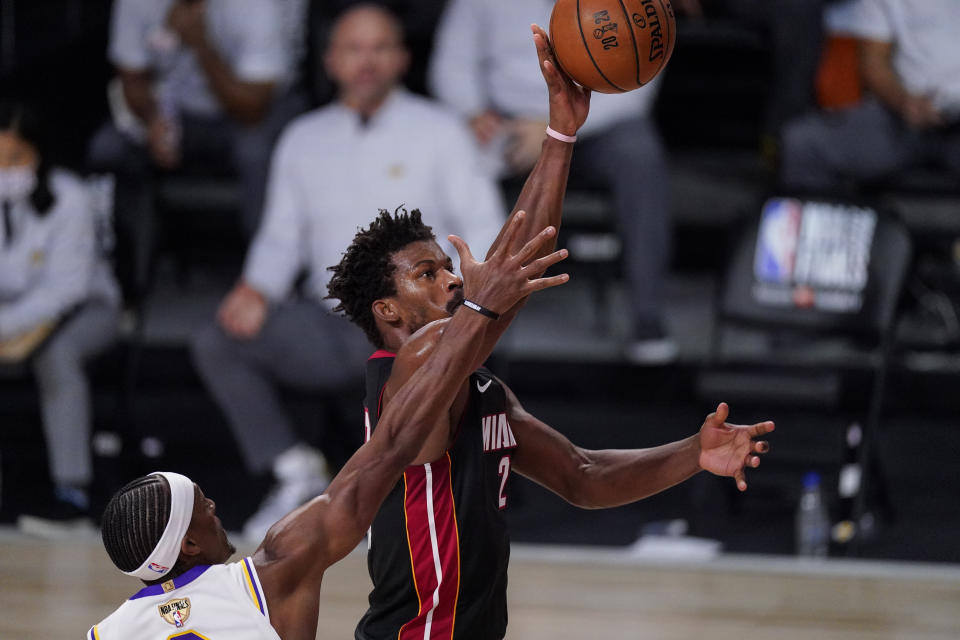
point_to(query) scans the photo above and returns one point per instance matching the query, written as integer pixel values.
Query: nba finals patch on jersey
(175, 611)
(813, 255)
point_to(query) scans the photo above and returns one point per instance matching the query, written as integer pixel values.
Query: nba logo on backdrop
(776, 255)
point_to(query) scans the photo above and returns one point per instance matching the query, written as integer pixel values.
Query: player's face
(208, 531)
(366, 57)
(427, 287)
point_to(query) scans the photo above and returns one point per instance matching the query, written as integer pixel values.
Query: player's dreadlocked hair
(134, 520)
(365, 272)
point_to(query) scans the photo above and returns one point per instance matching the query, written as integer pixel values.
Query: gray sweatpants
(302, 345)
(65, 393)
(864, 142)
(628, 159)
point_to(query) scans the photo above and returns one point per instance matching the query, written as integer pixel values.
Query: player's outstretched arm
(297, 549)
(595, 479)
(542, 193)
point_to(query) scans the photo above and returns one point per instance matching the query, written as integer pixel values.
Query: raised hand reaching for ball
(569, 102)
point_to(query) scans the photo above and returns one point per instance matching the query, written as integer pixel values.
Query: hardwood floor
(55, 590)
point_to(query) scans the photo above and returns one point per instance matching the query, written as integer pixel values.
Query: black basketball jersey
(439, 545)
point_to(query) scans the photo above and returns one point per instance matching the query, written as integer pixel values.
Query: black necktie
(7, 223)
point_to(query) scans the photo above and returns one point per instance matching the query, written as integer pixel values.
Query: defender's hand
(569, 102)
(725, 449)
(502, 280)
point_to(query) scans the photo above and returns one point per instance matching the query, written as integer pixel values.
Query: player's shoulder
(117, 624)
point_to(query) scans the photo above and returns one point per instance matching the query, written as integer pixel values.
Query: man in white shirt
(910, 68)
(203, 86)
(376, 147)
(482, 68)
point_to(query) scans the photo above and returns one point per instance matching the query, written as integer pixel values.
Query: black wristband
(470, 304)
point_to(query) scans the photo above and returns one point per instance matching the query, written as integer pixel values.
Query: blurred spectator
(794, 31)
(203, 86)
(377, 146)
(482, 67)
(418, 17)
(59, 304)
(909, 53)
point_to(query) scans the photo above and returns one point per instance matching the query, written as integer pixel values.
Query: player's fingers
(761, 446)
(539, 284)
(530, 249)
(555, 81)
(718, 417)
(541, 264)
(542, 41)
(466, 257)
(723, 412)
(510, 233)
(753, 461)
(761, 428)
(741, 480)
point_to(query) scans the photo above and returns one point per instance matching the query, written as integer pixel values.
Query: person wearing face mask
(51, 274)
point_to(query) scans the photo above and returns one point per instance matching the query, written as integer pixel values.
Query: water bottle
(812, 524)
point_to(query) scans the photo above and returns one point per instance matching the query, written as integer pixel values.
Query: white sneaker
(301, 474)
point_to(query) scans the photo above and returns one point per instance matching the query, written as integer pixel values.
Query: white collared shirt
(484, 58)
(254, 40)
(926, 53)
(54, 261)
(332, 173)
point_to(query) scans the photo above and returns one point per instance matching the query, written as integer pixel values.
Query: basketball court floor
(58, 590)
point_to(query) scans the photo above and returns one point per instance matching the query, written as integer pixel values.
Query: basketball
(612, 46)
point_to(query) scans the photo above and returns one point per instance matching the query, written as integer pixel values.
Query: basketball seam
(633, 36)
(586, 47)
(665, 56)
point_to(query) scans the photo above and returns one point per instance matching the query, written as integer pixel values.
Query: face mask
(17, 183)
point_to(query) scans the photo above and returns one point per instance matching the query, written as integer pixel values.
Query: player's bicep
(543, 454)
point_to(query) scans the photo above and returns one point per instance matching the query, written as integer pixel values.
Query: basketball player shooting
(162, 529)
(439, 545)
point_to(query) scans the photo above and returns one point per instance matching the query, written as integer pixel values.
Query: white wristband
(560, 136)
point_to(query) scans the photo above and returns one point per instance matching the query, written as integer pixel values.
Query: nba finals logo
(176, 611)
(776, 253)
(813, 255)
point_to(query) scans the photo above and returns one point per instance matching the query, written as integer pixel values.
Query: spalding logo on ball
(612, 46)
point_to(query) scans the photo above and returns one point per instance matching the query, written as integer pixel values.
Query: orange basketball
(612, 46)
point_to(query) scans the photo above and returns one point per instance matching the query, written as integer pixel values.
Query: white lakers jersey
(204, 603)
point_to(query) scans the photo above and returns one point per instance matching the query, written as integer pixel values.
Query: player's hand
(726, 449)
(503, 279)
(569, 102)
(525, 138)
(243, 312)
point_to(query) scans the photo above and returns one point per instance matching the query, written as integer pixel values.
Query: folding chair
(810, 295)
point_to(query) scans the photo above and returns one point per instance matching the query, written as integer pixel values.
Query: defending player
(439, 546)
(162, 529)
